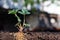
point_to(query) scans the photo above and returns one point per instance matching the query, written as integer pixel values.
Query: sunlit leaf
(24, 12)
(12, 11)
(21, 12)
(27, 25)
(28, 13)
(16, 10)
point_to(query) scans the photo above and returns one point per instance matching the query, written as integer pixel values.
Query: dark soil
(32, 36)
(43, 36)
(6, 36)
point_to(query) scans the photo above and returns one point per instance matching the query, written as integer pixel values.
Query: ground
(32, 36)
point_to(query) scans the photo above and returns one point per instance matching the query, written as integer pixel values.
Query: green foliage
(14, 0)
(38, 1)
(12, 11)
(15, 13)
(29, 1)
(24, 12)
(27, 25)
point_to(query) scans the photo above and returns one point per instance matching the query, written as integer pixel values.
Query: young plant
(14, 12)
(19, 35)
(24, 12)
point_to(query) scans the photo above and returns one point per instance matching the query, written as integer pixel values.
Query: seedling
(23, 12)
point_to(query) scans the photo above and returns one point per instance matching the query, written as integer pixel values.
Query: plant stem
(17, 18)
(24, 21)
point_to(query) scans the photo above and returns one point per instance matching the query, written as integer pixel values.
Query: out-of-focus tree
(32, 3)
(15, 0)
(29, 2)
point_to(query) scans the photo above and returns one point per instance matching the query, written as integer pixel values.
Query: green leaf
(27, 25)
(27, 12)
(24, 12)
(20, 12)
(12, 11)
(16, 10)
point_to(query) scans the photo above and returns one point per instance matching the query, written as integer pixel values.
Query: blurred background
(47, 10)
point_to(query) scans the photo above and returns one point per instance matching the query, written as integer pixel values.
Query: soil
(32, 36)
